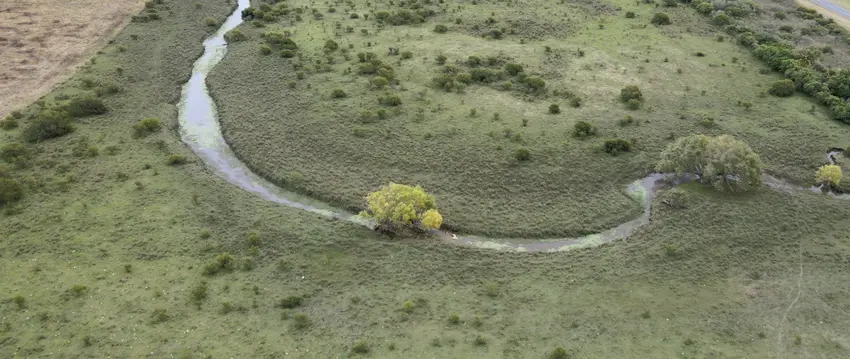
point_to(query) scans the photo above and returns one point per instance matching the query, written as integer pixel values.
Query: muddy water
(200, 130)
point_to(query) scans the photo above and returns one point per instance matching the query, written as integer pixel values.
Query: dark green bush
(473, 61)
(337, 93)
(286, 53)
(559, 353)
(441, 29)
(671, 3)
(291, 302)
(534, 83)
(441, 59)
(48, 124)
(85, 106)
(617, 145)
(235, 35)
(146, 127)
(583, 129)
(9, 123)
(360, 347)
(705, 8)
(633, 104)
(721, 19)
(782, 88)
(13, 152)
(10, 191)
(631, 92)
(513, 69)
(522, 154)
(630, 14)
(390, 100)
(331, 46)
(406, 55)
(353, 16)
(575, 101)
(660, 18)
(554, 109)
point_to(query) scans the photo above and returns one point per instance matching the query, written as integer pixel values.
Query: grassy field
(281, 118)
(105, 255)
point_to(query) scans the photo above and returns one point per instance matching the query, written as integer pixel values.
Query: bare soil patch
(43, 42)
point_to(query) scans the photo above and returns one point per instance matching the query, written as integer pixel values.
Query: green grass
(304, 139)
(755, 275)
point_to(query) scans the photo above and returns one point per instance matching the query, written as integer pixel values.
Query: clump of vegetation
(300, 321)
(159, 316)
(48, 124)
(211, 21)
(146, 126)
(224, 262)
(408, 306)
(829, 175)
(13, 152)
(723, 161)
(660, 18)
(782, 88)
(630, 92)
(522, 154)
(10, 190)
(554, 109)
(9, 123)
(454, 319)
(337, 93)
(175, 159)
(559, 353)
(617, 145)
(290, 302)
(19, 301)
(440, 29)
(85, 106)
(397, 206)
(360, 347)
(199, 293)
(235, 35)
(583, 129)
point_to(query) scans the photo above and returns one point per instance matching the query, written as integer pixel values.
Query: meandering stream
(200, 130)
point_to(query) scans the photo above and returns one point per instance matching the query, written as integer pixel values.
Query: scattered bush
(331, 46)
(48, 124)
(633, 104)
(211, 21)
(782, 88)
(441, 29)
(265, 49)
(583, 129)
(337, 93)
(360, 347)
(406, 55)
(660, 18)
(705, 8)
(617, 145)
(389, 100)
(399, 206)
(631, 92)
(559, 353)
(513, 69)
(175, 159)
(146, 127)
(224, 262)
(723, 161)
(85, 106)
(235, 35)
(291, 302)
(441, 59)
(13, 152)
(454, 319)
(554, 109)
(522, 154)
(534, 83)
(721, 19)
(10, 191)
(630, 14)
(575, 102)
(829, 175)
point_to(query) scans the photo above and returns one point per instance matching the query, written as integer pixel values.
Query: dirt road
(42, 42)
(838, 10)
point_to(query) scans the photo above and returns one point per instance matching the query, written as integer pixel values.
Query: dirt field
(43, 41)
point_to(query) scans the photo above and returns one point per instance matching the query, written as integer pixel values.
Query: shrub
(583, 129)
(48, 124)
(534, 83)
(473, 61)
(559, 353)
(337, 93)
(721, 19)
(398, 206)
(291, 302)
(441, 59)
(224, 262)
(723, 161)
(406, 55)
(211, 21)
(633, 104)
(235, 35)
(380, 82)
(390, 100)
(300, 321)
(441, 29)
(625, 121)
(13, 152)
(671, 3)
(522, 154)
(617, 145)
(782, 88)
(660, 18)
(354, 15)
(705, 8)
(554, 109)
(265, 49)
(360, 347)
(630, 14)
(631, 92)
(9, 123)
(146, 127)
(454, 319)
(175, 159)
(513, 69)
(85, 106)
(331, 46)
(10, 191)
(287, 54)
(575, 102)
(829, 175)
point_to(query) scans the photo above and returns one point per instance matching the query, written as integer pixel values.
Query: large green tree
(723, 161)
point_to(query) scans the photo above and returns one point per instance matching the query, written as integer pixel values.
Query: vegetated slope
(105, 255)
(43, 41)
(458, 135)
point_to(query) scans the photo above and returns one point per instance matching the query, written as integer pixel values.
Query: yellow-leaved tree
(829, 175)
(399, 206)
